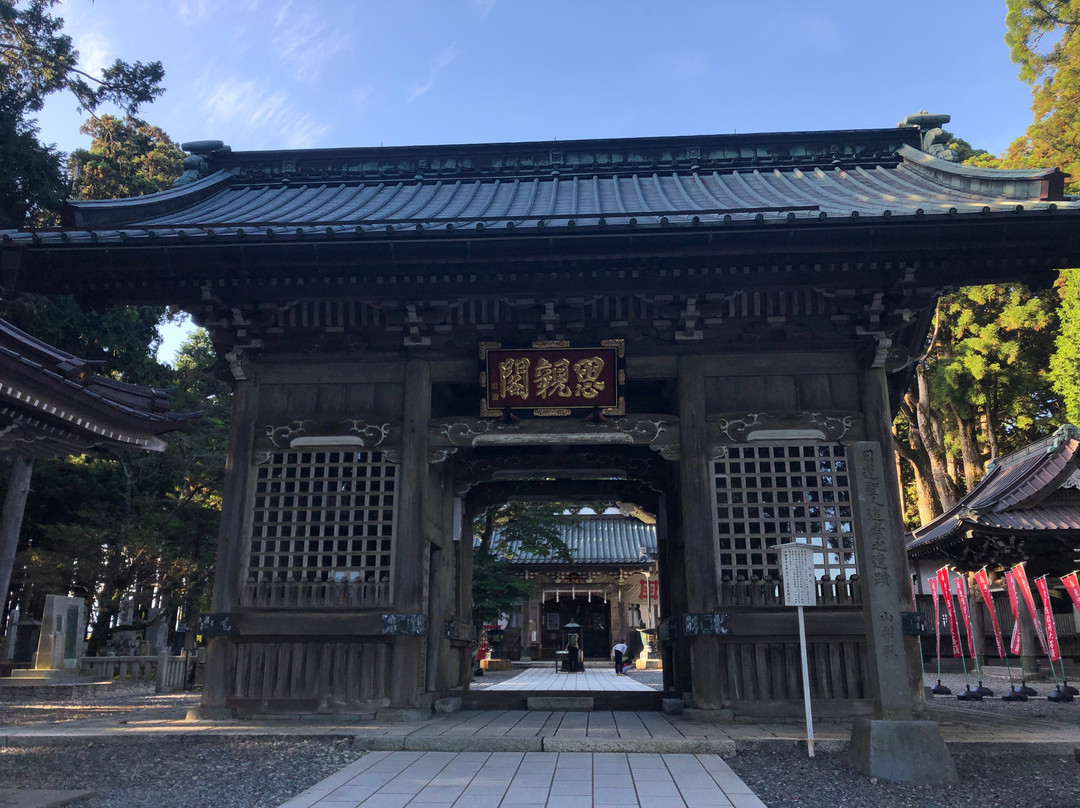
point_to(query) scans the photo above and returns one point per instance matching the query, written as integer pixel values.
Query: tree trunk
(988, 431)
(932, 436)
(11, 521)
(969, 451)
(926, 499)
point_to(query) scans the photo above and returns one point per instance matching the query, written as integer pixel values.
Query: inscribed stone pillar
(233, 537)
(874, 395)
(410, 545)
(891, 744)
(881, 570)
(888, 745)
(698, 529)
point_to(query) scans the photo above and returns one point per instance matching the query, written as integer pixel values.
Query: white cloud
(265, 116)
(191, 11)
(443, 61)
(96, 50)
(484, 6)
(305, 41)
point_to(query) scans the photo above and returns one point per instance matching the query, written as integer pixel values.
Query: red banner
(937, 614)
(1014, 643)
(1025, 589)
(1072, 586)
(962, 597)
(984, 589)
(1054, 651)
(946, 592)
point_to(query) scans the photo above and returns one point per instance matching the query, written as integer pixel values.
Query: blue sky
(273, 74)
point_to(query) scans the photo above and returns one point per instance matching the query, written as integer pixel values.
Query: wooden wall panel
(771, 671)
(280, 404)
(776, 394)
(342, 673)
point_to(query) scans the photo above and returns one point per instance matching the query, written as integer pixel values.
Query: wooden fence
(295, 594)
(830, 592)
(168, 673)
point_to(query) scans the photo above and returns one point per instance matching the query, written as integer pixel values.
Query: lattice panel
(323, 516)
(769, 494)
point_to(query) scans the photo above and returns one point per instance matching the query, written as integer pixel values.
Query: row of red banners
(1016, 580)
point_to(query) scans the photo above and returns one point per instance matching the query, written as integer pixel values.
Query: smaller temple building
(610, 588)
(53, 404)
(1026, 509)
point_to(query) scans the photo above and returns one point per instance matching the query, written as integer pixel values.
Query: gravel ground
(121, 700)
(789, 779)
(265, 772)
(238, 773)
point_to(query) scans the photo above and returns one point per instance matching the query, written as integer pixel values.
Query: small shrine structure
(609, 586)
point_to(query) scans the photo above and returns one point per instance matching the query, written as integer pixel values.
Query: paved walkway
(522, 780)
(592, 679)
(531, 758)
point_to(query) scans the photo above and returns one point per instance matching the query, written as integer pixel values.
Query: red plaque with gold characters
(553, 378)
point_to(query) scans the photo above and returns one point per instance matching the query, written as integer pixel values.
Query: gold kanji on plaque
(552, 378)
(588, 377)
(514, 378)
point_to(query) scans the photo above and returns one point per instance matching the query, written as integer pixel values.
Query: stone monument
(63, 625)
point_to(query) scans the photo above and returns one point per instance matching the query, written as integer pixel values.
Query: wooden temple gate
(767, 294)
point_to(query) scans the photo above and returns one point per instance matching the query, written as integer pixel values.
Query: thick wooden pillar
(411, 552)
(698, 529)
(442, 584)
(18, 488)
(233, 537)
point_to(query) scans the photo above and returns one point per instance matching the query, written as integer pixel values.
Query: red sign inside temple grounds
(553, 378)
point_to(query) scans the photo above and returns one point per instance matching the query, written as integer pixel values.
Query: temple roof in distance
(52, 404)
(707, 181)
(1026, 508)
(605, 539)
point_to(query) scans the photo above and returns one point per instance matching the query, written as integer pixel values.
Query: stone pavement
(591, 679)
(566, 780)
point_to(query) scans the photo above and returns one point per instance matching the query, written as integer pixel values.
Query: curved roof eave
(93, 213)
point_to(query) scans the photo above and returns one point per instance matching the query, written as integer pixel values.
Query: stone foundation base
(905, 751)
(210, 714)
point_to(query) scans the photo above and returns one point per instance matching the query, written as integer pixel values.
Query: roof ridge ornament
(935, 140)
(196, 164)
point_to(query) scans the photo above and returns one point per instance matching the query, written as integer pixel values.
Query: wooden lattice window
(324, 516)
(771, 493)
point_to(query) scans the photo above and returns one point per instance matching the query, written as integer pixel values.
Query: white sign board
(797, 568)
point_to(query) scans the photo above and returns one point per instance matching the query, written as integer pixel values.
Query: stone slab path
(524, 780)
(591, 679)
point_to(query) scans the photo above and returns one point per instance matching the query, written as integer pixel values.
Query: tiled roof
(51, 403)
(1019, 494)
(667, 183)
(602, 540)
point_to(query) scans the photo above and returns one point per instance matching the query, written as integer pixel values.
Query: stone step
(601, 699)
(567, 703)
